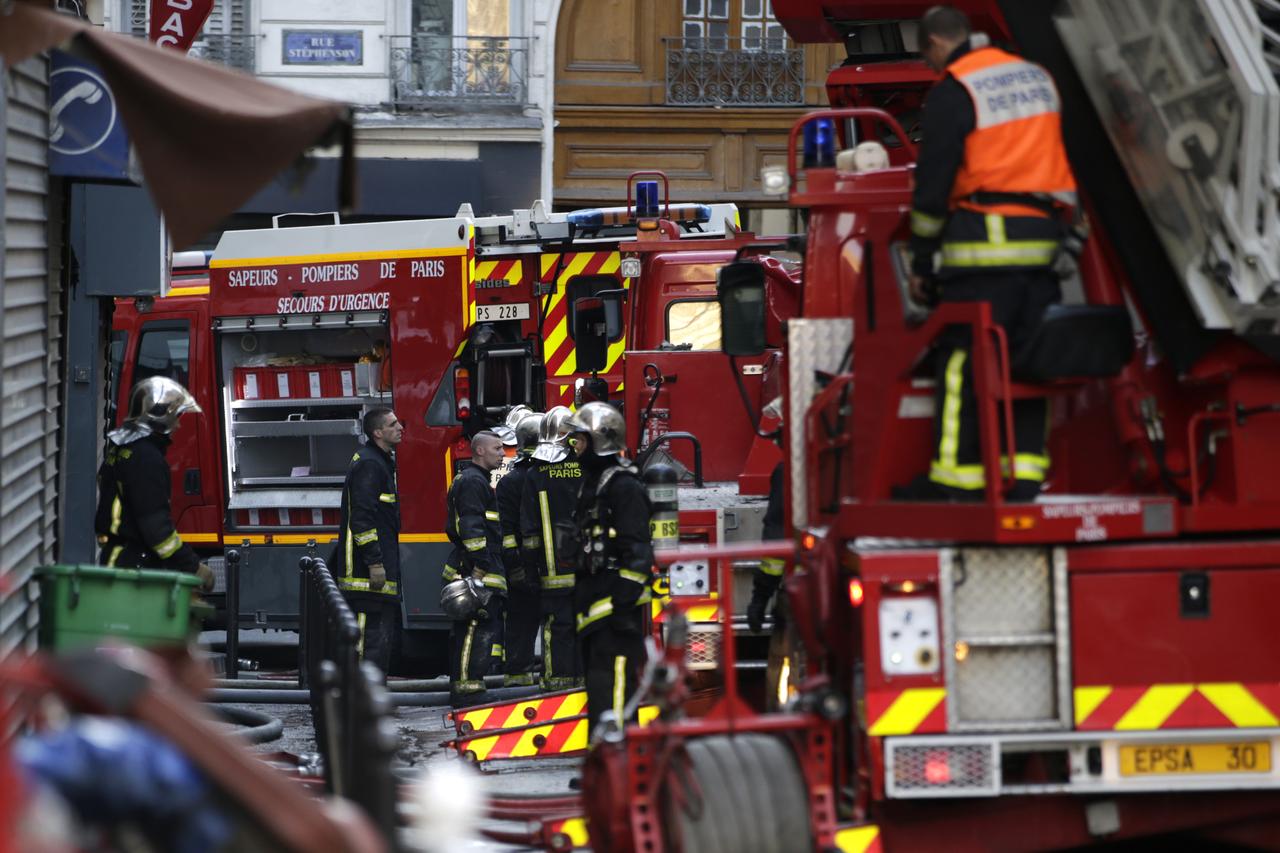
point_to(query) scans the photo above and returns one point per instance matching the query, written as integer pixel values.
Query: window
(695, 322)
(164, 350)
(115, 361)
(708, 24)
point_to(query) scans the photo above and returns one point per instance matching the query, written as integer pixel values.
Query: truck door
(163, 345)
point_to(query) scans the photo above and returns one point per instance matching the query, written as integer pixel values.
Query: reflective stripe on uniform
(363, 585)
(1020, 253)
(634, 577)
(597, 611)
(387, 497)
(772, 566)
(496, 651)
(169, 546)
(547, 534)
(117, 514)
(619, 687)
(466, 652)
(360, 620)
(926, 225)
(449, 573)
(949, 442)
(493, 581)
(366, 537)
(476, 544)
(559, 582)
(115, 555)
(532, 542)
(509, 541)
(491, 515)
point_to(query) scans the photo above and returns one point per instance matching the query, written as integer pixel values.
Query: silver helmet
(527, 432)
(604, 424)
(507, 429)
(157, 402)
(462, 598)
(551, 435)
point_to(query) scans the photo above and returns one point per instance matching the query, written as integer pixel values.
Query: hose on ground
(259, 727)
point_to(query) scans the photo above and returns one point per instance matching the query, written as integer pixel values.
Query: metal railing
(236, 50)
(350, 705)
(427, 70)
(704, 72)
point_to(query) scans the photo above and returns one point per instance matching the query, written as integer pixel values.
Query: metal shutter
(30, 326)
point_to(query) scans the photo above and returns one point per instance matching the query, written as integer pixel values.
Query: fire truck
(1094, 666)
(287, 335)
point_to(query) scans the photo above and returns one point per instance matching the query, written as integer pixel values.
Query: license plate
(490, 313)
(1174, 758)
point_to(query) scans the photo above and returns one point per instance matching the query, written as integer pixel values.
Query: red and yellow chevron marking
(709, 612)
(1177, 706)
(859, 839)
(558, 738)
(468, 276)
(512, 270)
(558, 350)
(912, 711)
(508, 715)
(567, 833)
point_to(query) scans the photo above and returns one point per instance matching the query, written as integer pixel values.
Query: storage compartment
(82, 605)
(295, 399)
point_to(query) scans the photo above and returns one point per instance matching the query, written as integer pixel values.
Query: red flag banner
(177, 23)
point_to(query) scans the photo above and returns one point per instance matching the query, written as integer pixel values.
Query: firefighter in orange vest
(987, 221)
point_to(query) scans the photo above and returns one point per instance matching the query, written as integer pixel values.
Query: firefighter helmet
(157, 402)
(527, 432)
(551, 433)
(604, 424)
(462, 598)
(507, 429)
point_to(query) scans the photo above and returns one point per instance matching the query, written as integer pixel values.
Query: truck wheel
(739, 794)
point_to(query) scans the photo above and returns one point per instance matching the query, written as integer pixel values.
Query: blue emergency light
(820, 144)
(647, 200)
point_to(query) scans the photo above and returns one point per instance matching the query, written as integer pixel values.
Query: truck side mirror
(740, 291)
(591, 333)
(613, 312)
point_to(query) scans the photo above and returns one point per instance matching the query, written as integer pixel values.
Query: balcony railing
(237, 50)
(706, 72)
(427, 70)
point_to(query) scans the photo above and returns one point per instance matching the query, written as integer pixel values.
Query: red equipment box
(263, 383)
(288, 517)
(310, 381)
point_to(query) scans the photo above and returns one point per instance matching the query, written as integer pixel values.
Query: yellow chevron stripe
(615, 352)
(515, 272)
(1087, 700)
(703, 613)
(570, 363)
(548, 261)
(908, 711)
(857, 839)
(574, 704)
(483, 269)
(557, 337)
(574, 267)
(610, 264)
(1238, 705)
(524, 747)
(482, 746)
(1154, 707)
(575, 831)
(517, 717)
(647, 714)
(477, 718)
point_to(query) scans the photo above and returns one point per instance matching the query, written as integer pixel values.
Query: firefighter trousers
(379, 621)
(475, 650)
(561, 661)
(524, 612)
(1018, 301)
(613, 654)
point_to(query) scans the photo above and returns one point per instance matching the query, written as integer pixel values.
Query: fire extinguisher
(661, 481)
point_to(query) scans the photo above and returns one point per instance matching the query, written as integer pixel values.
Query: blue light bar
(647, 200)
(820, 144)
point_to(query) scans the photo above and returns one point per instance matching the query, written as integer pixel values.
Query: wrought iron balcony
(706, 72)
(237, 50)
(427, 70)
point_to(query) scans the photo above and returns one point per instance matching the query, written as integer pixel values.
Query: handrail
(850, 112)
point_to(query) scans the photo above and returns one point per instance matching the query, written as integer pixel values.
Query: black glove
(755, 612)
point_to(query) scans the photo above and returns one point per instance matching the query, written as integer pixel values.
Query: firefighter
(523, 588)
(615, 562)
(472, 525)
(367, 556)
(549, 496)
(133, 522)
(992, 187)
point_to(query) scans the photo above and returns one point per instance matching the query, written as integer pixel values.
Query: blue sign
(323, 47)
(86, 136)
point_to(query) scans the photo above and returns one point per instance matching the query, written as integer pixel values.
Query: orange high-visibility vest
(1016, 144)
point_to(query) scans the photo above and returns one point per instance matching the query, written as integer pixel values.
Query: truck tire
(753, 797)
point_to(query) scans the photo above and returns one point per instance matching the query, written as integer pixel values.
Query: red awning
(207, 137)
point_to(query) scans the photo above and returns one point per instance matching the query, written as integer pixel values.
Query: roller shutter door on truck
(30, 332)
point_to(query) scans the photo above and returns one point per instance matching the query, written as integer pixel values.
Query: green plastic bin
(81, 605)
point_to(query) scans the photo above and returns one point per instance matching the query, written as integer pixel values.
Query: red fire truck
(1094, 666)
(289, 334)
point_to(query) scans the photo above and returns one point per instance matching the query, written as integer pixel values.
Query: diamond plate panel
(812, 345)
(996, 685)
(702, 649)
(1003, 592)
